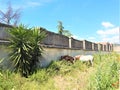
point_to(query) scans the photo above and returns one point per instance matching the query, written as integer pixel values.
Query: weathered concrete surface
(55, 53)
(48, 55)
(116, 48)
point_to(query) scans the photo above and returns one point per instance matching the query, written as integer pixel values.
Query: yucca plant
(25, 48)
(37, 36)
(20, 45)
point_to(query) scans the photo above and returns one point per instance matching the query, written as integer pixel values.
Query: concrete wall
(4, 52)
(55, 45)
(55, 53)
(3, 33)
(55, 40)
(116, 48)
(48, 55)
(95, 47)
(60, 41)
(77, 44)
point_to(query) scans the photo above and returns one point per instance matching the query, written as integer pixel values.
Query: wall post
(99, 47)
(70, 42)
(107, 47)
(103, 47)
(84, 45)
(93, 46)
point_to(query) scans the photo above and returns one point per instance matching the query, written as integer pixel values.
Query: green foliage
(64, 67)
(5, 80)
(106, 73)
(37, 81)
(60, 27)
(67, 33)
(36, 48)
(25, 45)
(79, 65)
(101, 76)
(20, 45)
(59, 67)
(61, 30)
(41, 76)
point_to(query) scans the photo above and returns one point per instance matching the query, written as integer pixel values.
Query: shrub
(26, 48)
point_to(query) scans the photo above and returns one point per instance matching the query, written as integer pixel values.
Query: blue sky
(93, 20)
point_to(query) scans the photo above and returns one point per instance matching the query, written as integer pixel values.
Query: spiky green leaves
(25, 45)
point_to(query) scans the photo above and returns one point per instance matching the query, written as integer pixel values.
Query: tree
(63, 32)
(10, 17)
(25, 46)
(60, 27)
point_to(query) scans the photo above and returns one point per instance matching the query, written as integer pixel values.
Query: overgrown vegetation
(25, 48)
(106, 76)
(62, 75)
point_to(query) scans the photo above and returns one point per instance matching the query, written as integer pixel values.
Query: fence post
(70, 42)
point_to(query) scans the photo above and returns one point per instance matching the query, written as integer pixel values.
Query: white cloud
(111, 39)
(92, 39)
(111, 31)
(107, 24)
(109, 34)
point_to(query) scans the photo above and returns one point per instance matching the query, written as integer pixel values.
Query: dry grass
(78, 81)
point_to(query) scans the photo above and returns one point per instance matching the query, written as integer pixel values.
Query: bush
(25, 48)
